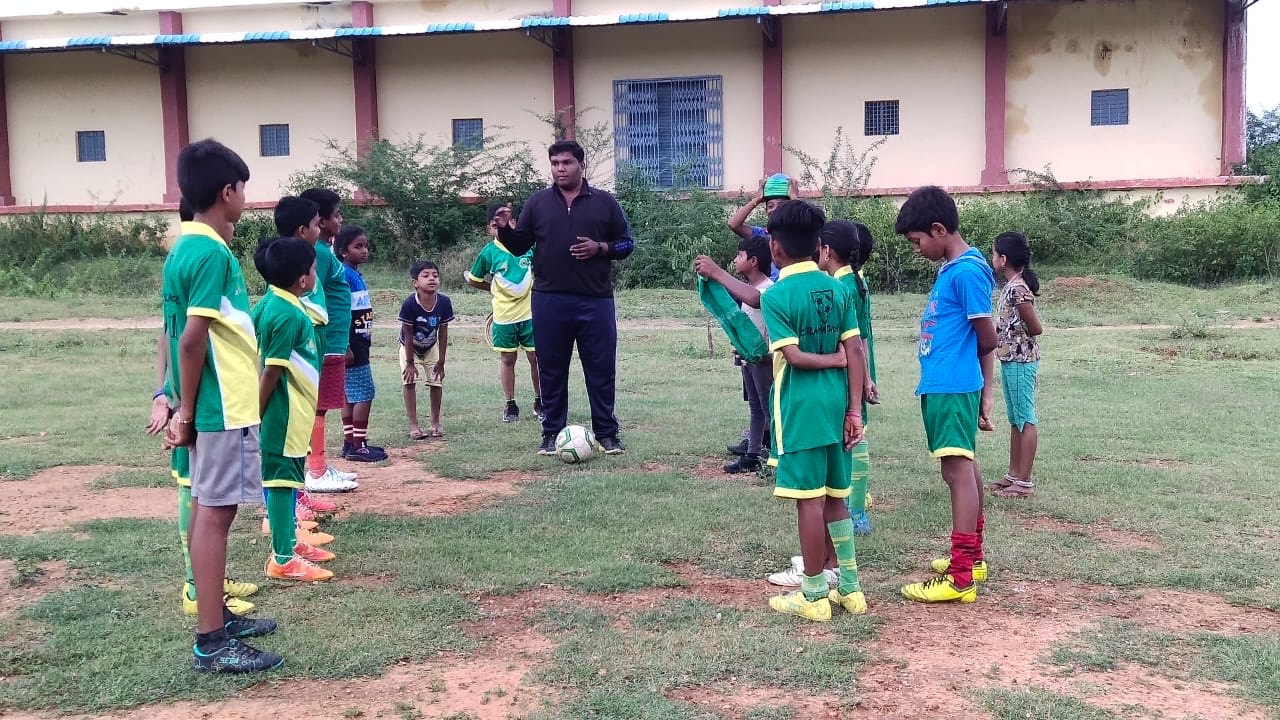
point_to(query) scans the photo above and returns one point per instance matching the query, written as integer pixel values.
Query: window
(671, 131)
(273, 140)
(1109, 107)
(468, 133)
(91, 146)
(880, 117)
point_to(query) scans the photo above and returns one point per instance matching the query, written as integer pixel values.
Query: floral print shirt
(1013, 342)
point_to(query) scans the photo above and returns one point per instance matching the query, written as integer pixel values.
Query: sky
(1262, 86)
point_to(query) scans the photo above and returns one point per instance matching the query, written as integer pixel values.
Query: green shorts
(513, 337)
(951, 423)
(818, 472)
(1019, 382)
(180, 465)
(279, 471)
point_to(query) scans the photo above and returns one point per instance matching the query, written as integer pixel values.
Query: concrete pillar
(1233, 74)
(771, 56)
(562, 76)
(996, 66)
(365, 72)
(173, 103)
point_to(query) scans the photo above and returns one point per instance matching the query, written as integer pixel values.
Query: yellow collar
(199, 228)
(842, 271)
(286, 296)
(797, 268)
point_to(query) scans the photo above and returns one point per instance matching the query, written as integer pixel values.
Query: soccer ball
(575, 444)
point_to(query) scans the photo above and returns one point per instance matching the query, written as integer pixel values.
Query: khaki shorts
(226, 468)
(426, 366)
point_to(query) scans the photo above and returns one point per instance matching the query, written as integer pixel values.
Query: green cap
(777, 186)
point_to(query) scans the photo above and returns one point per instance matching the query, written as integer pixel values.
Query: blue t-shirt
(759, 232)
(948, 345)
(361, 316)
(426, 322)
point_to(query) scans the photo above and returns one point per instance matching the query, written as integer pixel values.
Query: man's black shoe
(612, 446)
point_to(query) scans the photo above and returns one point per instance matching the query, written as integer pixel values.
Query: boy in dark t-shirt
(424, 340)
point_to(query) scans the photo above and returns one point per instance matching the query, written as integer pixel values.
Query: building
(1126, 94)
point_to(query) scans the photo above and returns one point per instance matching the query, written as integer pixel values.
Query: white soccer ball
(575, 444)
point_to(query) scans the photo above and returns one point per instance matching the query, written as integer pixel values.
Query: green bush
(1213, 242)
(55, 255)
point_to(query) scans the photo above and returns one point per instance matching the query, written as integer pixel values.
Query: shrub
(1213, 242)
(57, 255)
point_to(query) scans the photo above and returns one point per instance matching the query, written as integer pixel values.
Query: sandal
(1019, 489)
(1002, 483)
(418, 435)
(436, 433)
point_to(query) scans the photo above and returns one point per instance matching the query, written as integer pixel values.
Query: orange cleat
(314, 539)
(312, 554)
(303, 513)
(296, 569)
(315, 504)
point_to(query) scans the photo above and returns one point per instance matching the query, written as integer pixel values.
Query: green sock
(283, 525)
(842, 537)
(184, 524)
(814, 588)
(861, 463)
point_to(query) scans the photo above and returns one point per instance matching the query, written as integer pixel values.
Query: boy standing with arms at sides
(333, 292)
(753, 263)
(286, 398)
(510, 280)
(162, 410)
(424, 339)
(817, 392)
(956, 342)
(206, 316)
(351, 245)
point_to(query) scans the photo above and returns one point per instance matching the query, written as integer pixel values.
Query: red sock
(316, 464)
(978, 554)
(962, 548)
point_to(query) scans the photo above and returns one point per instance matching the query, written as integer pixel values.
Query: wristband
(186, 422)
(159, 393)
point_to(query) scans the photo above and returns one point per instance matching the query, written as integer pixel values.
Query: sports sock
(814, 588)
(360, 435)
(860, 466)
(982, 522)
(184, 524)
(842, 537)
(349, 433)
(962, 548)
(316, 464)
(283, 525)
(211, 641)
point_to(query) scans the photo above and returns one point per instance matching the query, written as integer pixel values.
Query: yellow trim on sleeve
(837, 493)
(951, 452)
(467, 274)
(277, 362)
(204, 312)
(784, 342)
(852, 333)
(293, 484)
(793, 494)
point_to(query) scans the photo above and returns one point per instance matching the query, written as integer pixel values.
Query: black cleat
(612, 446)
(235, 657)
(739, 449)
(511, 413)
(548, 446)
(744, 464)
(240, 628)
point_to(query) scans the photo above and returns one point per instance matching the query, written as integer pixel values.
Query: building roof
(527, 23)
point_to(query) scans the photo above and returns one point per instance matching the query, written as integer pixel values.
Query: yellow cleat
(855, 603)
(942, 565)
(797, 604)
(235, 605)
(939, 589)
(238, 589)
(867, 504)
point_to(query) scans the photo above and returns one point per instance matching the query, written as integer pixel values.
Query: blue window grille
(671, 131)
(91, 146)
(880, 117)
(1109, 107)
(468, 133)
(273, 140)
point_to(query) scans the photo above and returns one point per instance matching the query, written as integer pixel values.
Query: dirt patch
(147, 323)
(60, 497)
(733, 701)
(403, 487)
(19, 589)
(1159, 463)
(1101, 532)
(1076, 283)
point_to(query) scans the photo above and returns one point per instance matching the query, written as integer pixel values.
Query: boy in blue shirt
(957, 339)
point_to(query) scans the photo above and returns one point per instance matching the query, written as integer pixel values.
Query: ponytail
(1014, 246)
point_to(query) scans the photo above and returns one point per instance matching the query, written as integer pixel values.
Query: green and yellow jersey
(288, 340)
(510, 282)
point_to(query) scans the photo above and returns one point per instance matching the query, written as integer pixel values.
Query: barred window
(1109, 107)
(671, 130)
(468, 133)
(91, 146)
(273, 140)
(880, 117)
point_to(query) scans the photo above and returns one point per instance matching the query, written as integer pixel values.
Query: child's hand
(410, 374)
(706, 267)
(984, 414)
(159, 415)
(179, 434)
(870, 393)
(760, 194)
(502, 217)
(351, 357)
(853, 430)
(437, 372)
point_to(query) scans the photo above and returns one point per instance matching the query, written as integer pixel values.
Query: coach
(577, 231)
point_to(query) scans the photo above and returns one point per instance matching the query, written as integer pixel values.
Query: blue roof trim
(257, 36)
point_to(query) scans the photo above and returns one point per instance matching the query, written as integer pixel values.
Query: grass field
(476, 580)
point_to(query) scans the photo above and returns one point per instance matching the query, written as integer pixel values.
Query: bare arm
(986, 358)
(162, 360)
(160, 403)
(193, 348)
(442, 342)
(856, 365)
(738, 221)
(1027, 311)
(478, 284)
(802, 360)
(742, 292)
(267, 384)
(410, 373)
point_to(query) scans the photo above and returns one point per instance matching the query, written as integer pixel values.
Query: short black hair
(842, 237)
(795, 225)
(924, 207)
(294, 212)
(757, 246)
(567, 146)
(416, 269)
(204, 169)
(185, 214)
(493, 210)
(326, 200)
(345, 237)
(282, 260)
(866, 243)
